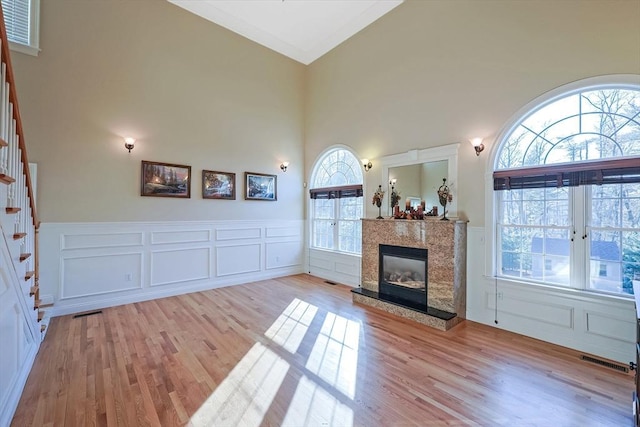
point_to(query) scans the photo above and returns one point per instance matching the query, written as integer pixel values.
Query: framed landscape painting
(165, 180)
(218, 185)
(260, 186)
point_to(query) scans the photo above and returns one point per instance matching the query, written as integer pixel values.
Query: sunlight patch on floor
(313, 406)
(246, 393)
(334, 357)
(291, 326)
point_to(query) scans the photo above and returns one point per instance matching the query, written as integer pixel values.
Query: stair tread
(24, 256)
(11, 210)
(6, 179)
(18, 236)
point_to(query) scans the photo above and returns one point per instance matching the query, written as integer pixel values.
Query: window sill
(335, 251)
(22, 48)
(583, 294)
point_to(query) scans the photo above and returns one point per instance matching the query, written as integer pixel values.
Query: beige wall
(432, 73)
(427, 74)
(191, 92)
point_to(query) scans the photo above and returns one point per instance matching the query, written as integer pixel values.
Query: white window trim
(316, 164)
(491, 200)
(34, 29)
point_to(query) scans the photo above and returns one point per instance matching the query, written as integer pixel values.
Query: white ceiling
(303, 30)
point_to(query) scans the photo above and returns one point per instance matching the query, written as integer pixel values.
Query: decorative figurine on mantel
(444, 196)
(377, 200)
(395, 195)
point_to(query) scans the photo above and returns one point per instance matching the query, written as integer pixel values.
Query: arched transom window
(595, 124)
(568, 192)
(336, 205)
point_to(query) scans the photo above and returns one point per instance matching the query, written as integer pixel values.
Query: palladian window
(336, 202)
(567, 181)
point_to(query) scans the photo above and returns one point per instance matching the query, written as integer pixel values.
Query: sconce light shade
(284, 166)
(129, 143)
(477, 145)
(366, 164)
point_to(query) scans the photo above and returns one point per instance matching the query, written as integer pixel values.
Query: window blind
(615, 171)
(336, 192)
(16, 19)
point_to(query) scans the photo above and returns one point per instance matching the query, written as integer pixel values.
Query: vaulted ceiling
(303, 30)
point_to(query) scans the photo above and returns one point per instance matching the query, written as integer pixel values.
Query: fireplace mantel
(446, 243)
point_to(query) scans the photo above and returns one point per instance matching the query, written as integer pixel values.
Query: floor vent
(90, 313)
(330, 282)
(615, 366)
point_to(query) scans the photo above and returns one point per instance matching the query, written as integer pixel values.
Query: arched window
(567, 177)
(336, 202)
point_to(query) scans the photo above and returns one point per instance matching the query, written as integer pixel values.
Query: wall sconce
(284, 166)
(366, 164)
(477, 145)
(128, 143)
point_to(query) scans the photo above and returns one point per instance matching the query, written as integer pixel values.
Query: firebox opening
(402, 276)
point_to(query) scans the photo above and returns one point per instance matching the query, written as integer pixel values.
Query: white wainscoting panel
(596, 324)
(12, 330)
(533, 309)
(337, 267)
(100, 274)
(186, 236)
(19, 344)
(608, 325)
(237, 259)
(283, 254)
(238, 233)
(86, 241)
(180, 265)
(283, 232)
(85, 266)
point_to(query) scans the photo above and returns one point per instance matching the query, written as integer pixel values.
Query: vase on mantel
(378, 195)
(444, 197)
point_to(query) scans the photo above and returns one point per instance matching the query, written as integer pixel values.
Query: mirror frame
(435, 154)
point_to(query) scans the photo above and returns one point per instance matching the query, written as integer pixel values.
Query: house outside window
(22, 22)
(567, 177)
(337, 203)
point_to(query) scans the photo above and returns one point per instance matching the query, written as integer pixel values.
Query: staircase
(22, 321)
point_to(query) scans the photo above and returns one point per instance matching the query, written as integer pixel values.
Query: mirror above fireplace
(416, 170)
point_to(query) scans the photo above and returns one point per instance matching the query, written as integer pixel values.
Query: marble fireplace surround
(446, 267)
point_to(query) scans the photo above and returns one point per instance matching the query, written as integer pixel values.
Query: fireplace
(445, 281)
(402, 276)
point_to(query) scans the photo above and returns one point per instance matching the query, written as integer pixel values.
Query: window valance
(336, 192)
(615, 171)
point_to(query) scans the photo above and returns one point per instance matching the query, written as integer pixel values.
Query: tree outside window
(542, 232)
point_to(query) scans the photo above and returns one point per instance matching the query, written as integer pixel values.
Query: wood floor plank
(248, 353)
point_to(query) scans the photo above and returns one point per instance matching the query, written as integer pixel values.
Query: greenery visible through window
(335, 222)
(585, 237)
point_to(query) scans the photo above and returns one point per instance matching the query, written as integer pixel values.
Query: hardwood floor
(295, 351)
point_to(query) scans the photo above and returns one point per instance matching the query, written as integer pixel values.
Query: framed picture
(218, 185)
(165, 180)
(259, 186)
